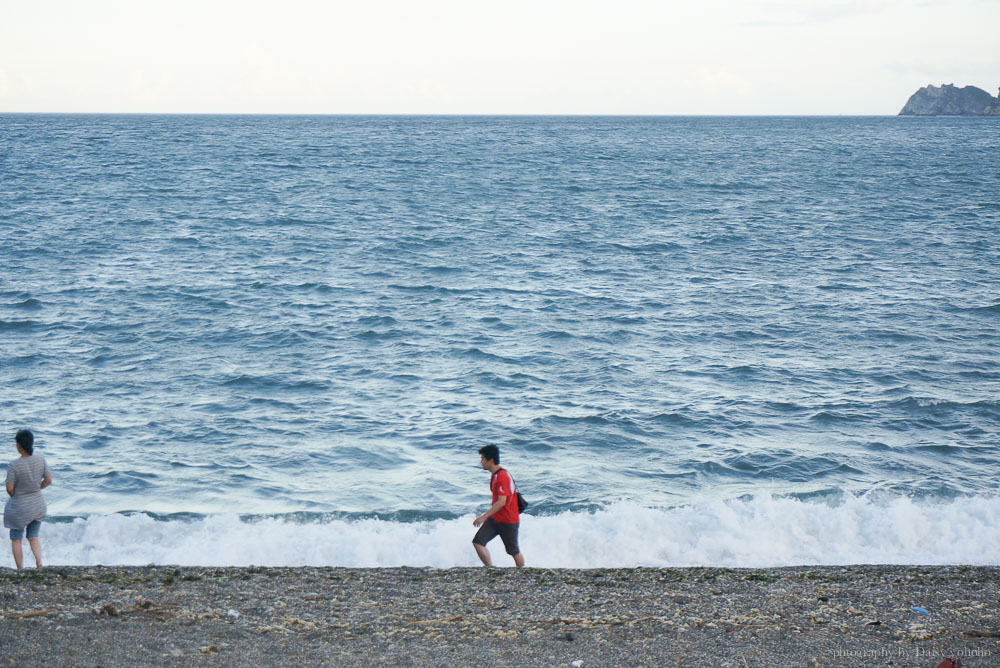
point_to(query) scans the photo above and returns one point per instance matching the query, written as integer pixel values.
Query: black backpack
(521, 503)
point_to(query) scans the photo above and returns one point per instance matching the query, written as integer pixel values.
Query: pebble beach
(741, 618)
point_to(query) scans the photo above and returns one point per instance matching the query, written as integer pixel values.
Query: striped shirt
(27, 504)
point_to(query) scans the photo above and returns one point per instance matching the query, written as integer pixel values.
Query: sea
(697, 341)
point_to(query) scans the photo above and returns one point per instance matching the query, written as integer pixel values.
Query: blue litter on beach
(922, 611)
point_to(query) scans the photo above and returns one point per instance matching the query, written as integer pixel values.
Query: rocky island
(949, 100)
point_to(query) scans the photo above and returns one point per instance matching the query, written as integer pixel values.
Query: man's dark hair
(490, 452)
(26, 440)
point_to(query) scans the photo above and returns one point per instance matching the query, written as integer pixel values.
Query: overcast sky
(475, 57)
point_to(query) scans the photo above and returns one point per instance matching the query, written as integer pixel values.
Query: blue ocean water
(738, 341)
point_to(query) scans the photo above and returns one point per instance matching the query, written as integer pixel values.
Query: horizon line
(442, 114)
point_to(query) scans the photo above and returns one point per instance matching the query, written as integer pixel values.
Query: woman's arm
(46, 481)
(10, 489)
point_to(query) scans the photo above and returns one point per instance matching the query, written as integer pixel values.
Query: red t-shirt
(501, 485)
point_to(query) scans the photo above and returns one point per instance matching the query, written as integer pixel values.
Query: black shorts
(508, 534)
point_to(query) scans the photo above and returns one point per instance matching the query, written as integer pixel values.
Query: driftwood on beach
(831, 616)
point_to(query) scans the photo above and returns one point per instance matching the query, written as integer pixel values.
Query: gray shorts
(507, 532)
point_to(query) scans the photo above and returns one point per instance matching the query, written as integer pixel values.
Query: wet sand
(706, 617)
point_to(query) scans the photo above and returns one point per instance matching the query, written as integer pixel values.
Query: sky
(729, 57)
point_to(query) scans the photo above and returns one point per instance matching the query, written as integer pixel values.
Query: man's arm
(494, 509)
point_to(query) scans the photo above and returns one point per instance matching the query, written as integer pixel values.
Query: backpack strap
(512, 484)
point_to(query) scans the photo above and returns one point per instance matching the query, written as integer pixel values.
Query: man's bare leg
(15, 547)
(484, 554)
(519, 560)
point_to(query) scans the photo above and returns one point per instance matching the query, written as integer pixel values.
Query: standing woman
(27, 476)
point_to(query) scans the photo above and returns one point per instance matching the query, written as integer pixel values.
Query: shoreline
(744, 618)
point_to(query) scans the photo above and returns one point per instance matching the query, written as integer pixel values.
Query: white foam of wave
(759, 532)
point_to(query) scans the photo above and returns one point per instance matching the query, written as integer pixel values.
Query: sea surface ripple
(329, 315)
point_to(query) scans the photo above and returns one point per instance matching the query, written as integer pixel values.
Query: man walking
(503, 517)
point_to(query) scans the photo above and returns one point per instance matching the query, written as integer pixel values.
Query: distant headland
(949, 100)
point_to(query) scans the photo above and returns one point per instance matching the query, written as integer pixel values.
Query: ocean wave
(28, 360)
(388, 335)
(994, 308)
(17, 325)
(654, 248)
(556, 334)
(249, 380)
(932, 404)
(376, 320)
(30, 304)
(834, 287)
(760, 531)
(477, 354)
(490, 379)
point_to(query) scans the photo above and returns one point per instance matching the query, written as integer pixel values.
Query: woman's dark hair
(26, 440)
(490, 452)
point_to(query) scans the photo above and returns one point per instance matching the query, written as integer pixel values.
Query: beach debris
(442, 620)
(32, 613)
(950, 663)
(922, 611)
(158, 610)
(110, 610)
(209, 649)
(981, 634)
(175, 652)
(296, 623)
(232, 612)
(595, 622)
(577, 663)
(500, 633)
(918, 632)
(755, 618)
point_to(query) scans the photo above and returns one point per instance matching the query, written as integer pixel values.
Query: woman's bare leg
(36, 549)
(15, 547)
